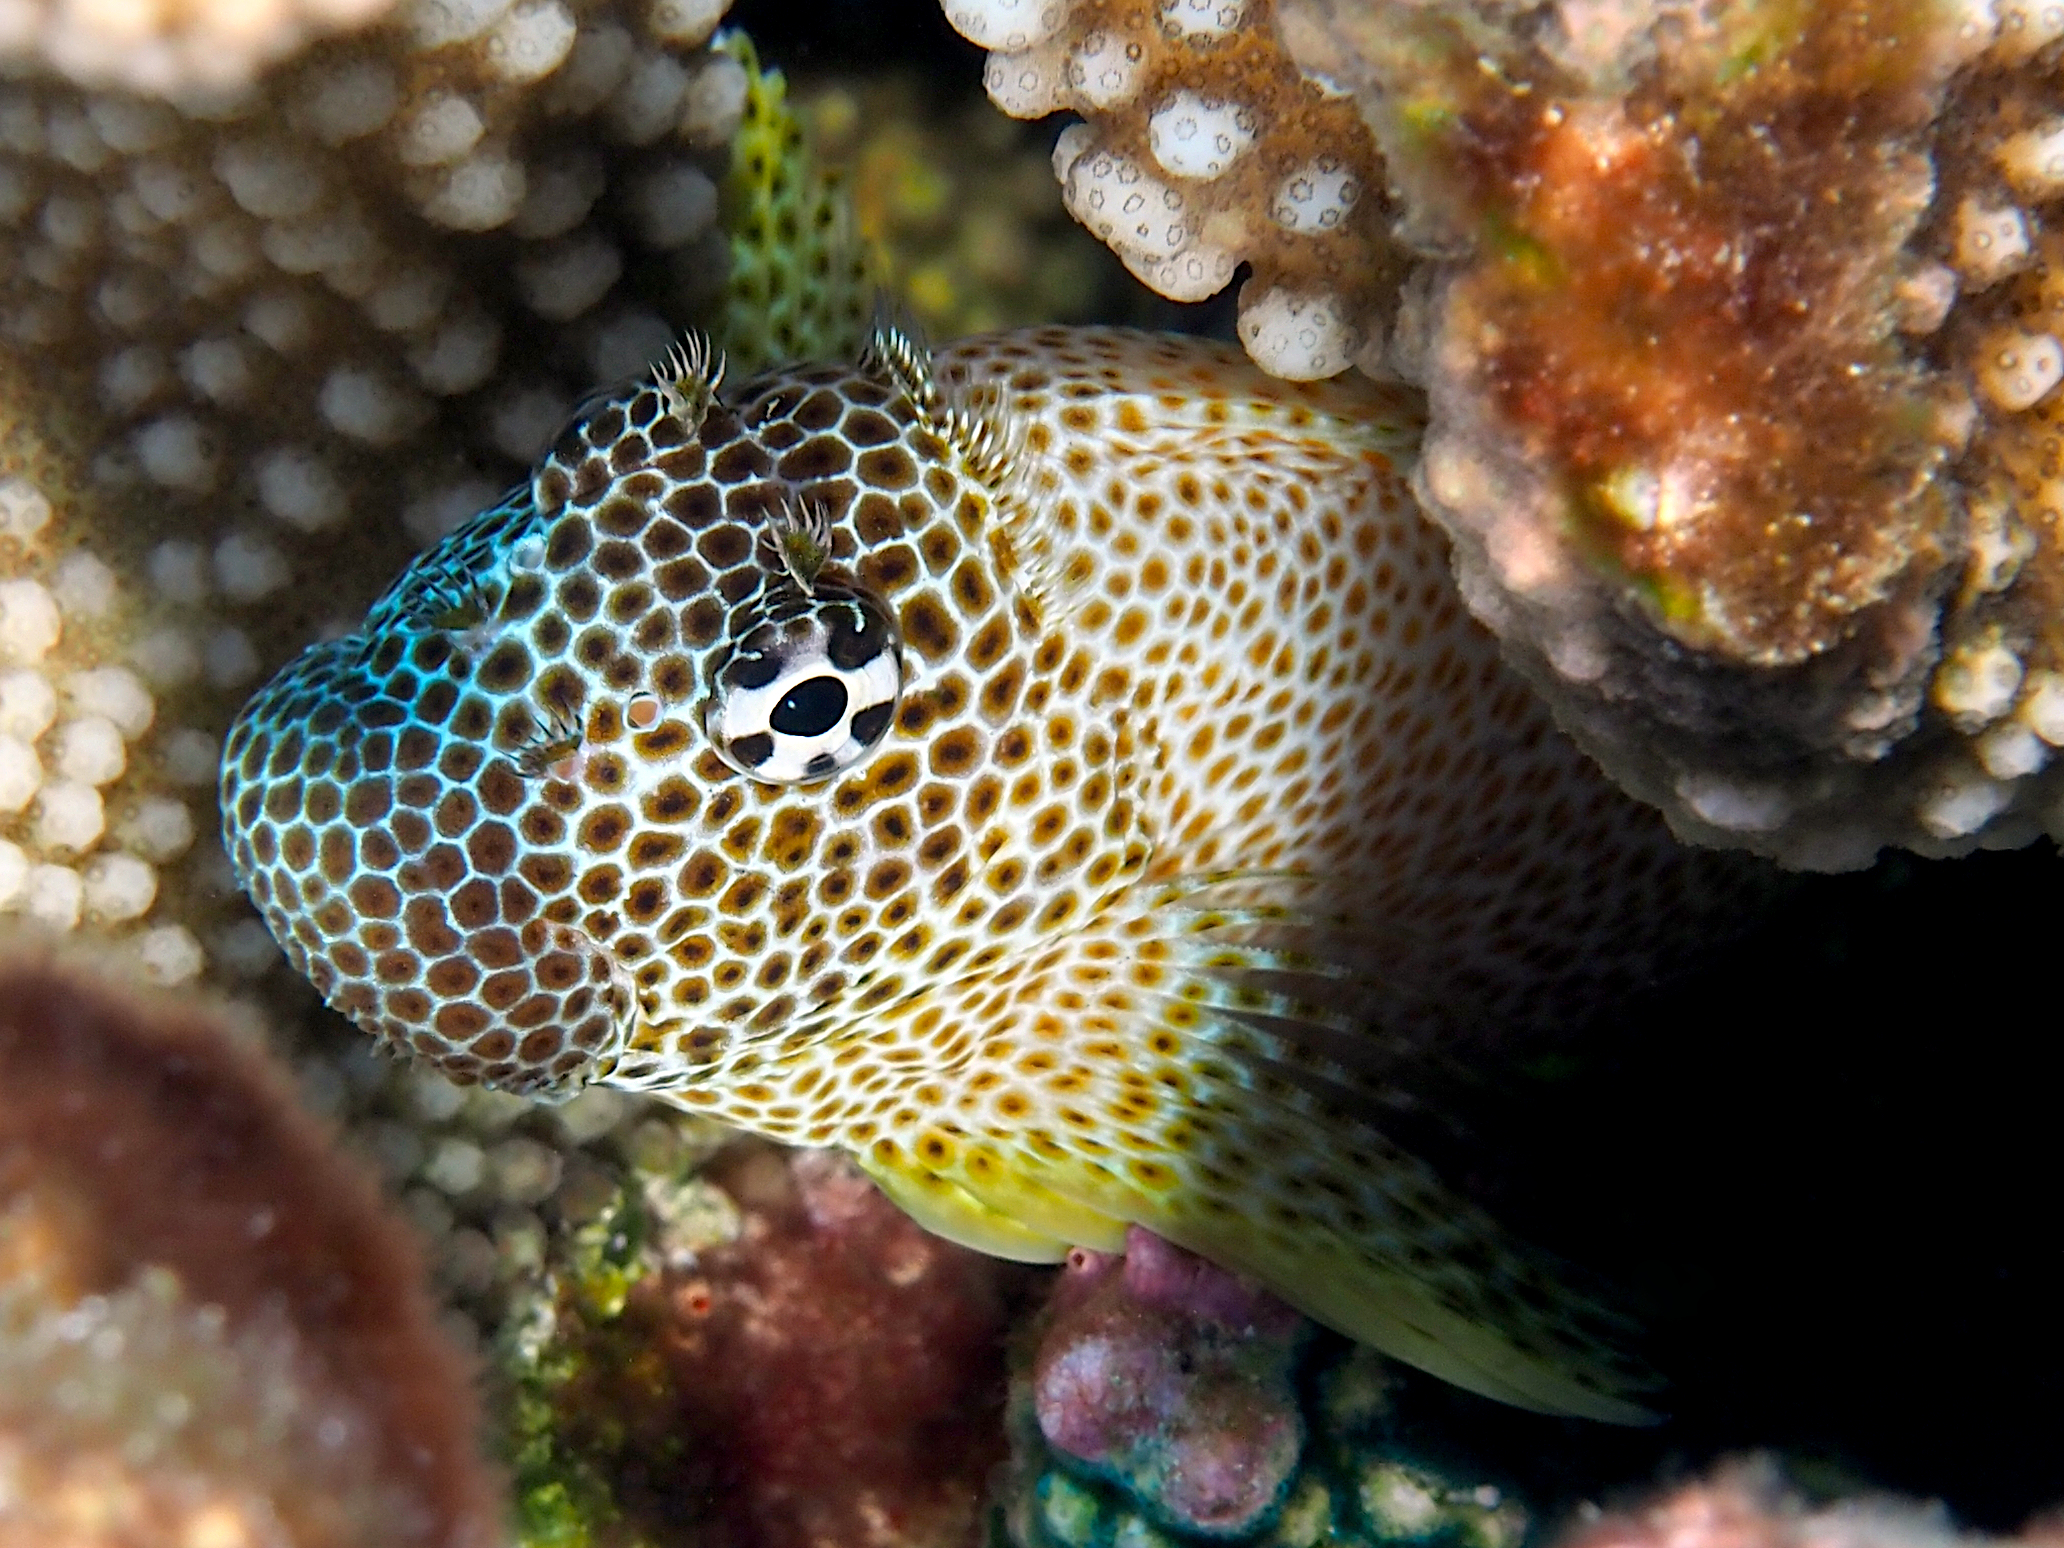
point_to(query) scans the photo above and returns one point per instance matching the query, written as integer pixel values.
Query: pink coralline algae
(1164, 1399)
(1173, 1378)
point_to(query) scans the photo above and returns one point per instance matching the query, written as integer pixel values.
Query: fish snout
(384, 855)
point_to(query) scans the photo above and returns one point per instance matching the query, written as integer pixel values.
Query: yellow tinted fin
(946, 1209)
(1151, 1070)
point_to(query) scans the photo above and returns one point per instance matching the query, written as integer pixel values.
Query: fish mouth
(383, 853)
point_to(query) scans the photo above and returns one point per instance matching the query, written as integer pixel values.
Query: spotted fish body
(1186, 794)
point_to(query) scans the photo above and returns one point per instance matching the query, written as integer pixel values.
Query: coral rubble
(1735, 324)
(211, 1331)
(1748, 1503)
(1166, 1396)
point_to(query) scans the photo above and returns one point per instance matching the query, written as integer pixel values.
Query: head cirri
(504, 824)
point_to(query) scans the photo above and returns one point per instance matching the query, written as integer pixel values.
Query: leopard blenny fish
(1059, 771)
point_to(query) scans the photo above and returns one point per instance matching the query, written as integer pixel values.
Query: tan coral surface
(256, 347)
(1203, 147)
(1739, 399)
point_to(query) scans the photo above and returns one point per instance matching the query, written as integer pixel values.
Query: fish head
(706, 736)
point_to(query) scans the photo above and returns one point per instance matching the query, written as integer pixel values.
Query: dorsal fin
(897, 354)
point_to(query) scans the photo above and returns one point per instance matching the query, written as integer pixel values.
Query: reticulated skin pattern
(1058, 771)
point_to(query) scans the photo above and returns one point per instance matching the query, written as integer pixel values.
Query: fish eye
(808, 689)
(811, 708)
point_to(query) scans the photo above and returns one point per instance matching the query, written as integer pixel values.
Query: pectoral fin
(1153, 1070)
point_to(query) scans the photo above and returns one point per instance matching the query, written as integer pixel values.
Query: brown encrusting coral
(1737, 326)
(844, 1366)
(1721, 388)
(211, 1330)
(1682, 315)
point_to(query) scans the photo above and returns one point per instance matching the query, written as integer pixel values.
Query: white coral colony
(1196, 122)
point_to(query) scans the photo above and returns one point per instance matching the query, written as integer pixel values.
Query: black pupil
(810, 708)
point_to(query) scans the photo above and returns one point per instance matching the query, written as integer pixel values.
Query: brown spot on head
(702, 621)
(491, 848)
(866, 427)
(375, 897)
(819, 457)
(603, 829)
(888, 467)
(726, 546)
(929, 627)
(885, 878)
(367, 802)
(703, 874)
(954, 754)
(888, 570)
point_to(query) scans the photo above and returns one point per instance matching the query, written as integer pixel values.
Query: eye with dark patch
(811, 708)
(810, 684)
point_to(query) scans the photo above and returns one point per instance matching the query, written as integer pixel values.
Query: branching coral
(210, 1329)
(1203, 147)
(1736, 325)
